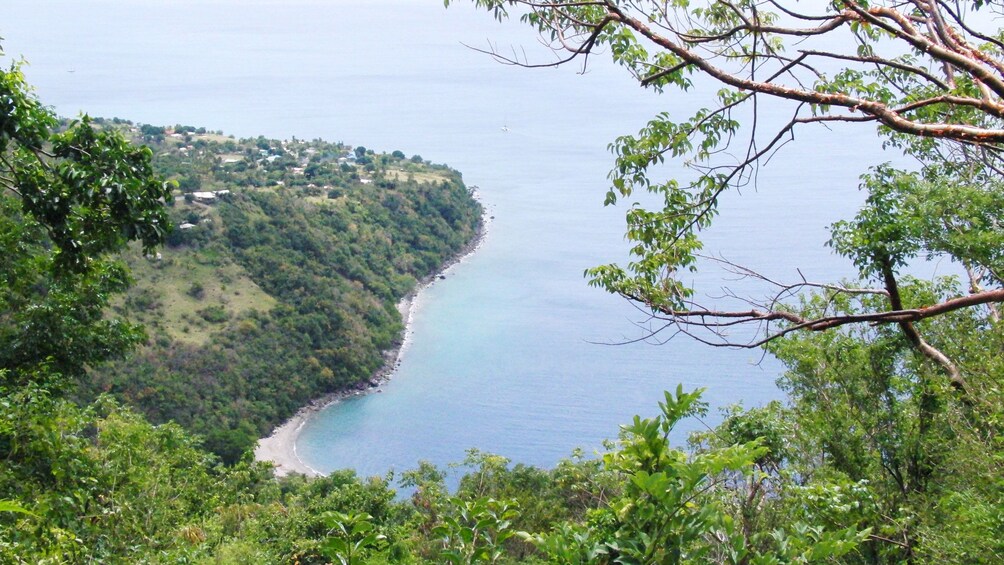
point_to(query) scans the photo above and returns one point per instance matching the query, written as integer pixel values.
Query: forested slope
(281, 279)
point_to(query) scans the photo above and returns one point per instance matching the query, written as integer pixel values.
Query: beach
(279, 448)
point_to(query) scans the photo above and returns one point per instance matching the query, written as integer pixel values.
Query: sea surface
(512, 352)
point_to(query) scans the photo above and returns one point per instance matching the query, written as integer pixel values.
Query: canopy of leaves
(70, 197)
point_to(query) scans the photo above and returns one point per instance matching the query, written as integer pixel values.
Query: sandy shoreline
(280, 447)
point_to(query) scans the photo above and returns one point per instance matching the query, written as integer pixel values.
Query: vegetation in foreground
(887, 451)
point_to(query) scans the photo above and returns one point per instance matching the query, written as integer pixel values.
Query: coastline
(279, 448)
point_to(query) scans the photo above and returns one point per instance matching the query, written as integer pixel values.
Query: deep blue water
(511, 352)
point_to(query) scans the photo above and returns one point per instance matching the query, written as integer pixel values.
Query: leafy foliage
(68, 200)
(875, 458)
(350, 535)
(924, 74)
(893, 382)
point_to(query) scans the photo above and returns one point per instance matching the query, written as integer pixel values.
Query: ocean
(512, 353)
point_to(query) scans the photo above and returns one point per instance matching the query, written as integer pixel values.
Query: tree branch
(880, 61)
(929, 351)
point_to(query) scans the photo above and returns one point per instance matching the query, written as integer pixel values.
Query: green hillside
(280, 280)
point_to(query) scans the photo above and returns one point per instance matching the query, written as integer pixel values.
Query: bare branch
(822, 323)
(886, 115)
(748, 26)
(962, 24)
(880, 61)
(929, 351)
(946, 46)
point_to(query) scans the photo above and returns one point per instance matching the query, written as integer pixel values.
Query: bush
(214, 314)
(197, 291)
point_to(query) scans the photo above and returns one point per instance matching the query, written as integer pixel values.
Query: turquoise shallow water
(511, 352)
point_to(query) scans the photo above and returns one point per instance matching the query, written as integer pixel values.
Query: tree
(923, 72)
(70, 196)
(877, 426)
(894, 404)
(668, 511)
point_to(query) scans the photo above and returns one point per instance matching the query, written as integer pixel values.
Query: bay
(511, 353)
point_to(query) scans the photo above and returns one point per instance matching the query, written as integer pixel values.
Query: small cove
(507, 354)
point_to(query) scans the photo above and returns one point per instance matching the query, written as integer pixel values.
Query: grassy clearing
(191, 294)
(419, 176)
(218, 138)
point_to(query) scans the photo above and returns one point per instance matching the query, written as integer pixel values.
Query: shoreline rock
(279, 447)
